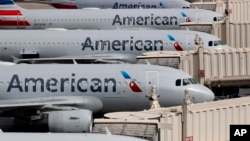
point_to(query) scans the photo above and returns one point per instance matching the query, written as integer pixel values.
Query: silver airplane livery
(14, 17)
(115, 4)
(64, 97)
(120, 45)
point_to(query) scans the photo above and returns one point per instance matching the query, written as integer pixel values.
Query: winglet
(107, 131)
(148, 63)
(74, 61)
(1, 131)
(15, 59)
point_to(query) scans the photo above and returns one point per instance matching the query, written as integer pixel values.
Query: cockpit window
(221, 42)
(210, 43)
(178, 82)
(186, 82)
(215, 43)
(218, 18)
(192, 80)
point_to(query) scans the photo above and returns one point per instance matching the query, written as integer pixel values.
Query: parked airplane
(62, 97)
(14, 17)
(115, 4)
(64, 137)
(119, 45)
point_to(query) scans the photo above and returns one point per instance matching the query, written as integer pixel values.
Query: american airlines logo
(72, 84)
(131, 44)
(132, 6)
(123, 45)
(132, 84)
(188, 19)
(177, 45)
(145, 20)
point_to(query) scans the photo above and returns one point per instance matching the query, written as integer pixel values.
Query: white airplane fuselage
(115, 4)
(123, 44)
(17, 18)
(62, 97)
(117, 87)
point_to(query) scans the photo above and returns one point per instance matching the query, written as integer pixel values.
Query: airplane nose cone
(208, 95)
(200, 93)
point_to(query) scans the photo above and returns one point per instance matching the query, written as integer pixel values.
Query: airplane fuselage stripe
(14, 23)
(10, 13)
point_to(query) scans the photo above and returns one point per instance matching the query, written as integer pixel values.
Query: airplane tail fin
(11, 14)
(8, 4)
(15, 59)
(107, 131)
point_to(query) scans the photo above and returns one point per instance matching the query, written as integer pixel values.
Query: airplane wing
(55, 102)
(66, 61)
(200, 23)
(62, 100)
(82, 59)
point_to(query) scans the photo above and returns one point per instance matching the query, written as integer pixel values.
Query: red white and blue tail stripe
(11, 14)
(6, 2)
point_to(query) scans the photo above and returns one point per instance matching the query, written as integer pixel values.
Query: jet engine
(76, 121)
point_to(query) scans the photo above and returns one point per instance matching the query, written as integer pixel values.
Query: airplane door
(152, 79)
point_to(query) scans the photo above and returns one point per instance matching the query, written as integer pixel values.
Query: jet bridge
(204, 5)
(207, 27)
(202, 121)
(222, 70)
(147, 129)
